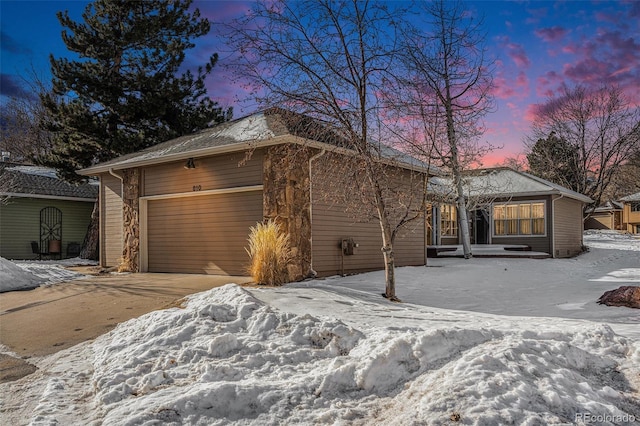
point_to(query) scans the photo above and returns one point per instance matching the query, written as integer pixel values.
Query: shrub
(270, 252)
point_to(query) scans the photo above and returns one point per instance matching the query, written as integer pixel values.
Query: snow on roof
(608, 206)
(35, 170)
(245, 133)
(632, 197)
(501, 182)
(26, 180)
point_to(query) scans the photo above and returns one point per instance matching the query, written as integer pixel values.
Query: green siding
(20, 224)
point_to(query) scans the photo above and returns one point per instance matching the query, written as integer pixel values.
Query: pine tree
(555, 160)
(125, 93)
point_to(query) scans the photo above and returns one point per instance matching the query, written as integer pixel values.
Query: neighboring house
(186, 205)
(42, 216)
(607, 216)
(631, 213)
(515, 208)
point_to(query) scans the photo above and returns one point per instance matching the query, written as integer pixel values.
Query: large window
(635, 207)
(448, 221)
(519, 219)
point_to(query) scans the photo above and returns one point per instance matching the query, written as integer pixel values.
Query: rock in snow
(226, 357)
(627, 295)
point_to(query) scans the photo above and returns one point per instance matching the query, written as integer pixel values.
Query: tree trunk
(389, 273)
(463, 220)
(91, 239)
(387, 242)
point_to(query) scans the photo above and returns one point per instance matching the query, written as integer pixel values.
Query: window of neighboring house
(519, 219)
(448, 221)
(635, 207)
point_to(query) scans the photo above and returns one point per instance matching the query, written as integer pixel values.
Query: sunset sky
(537, 45)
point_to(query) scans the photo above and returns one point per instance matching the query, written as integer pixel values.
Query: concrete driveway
(48, 319)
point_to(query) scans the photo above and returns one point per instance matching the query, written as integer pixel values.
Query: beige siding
(631, 220)
(20, 224)
(567, 226)
(600, 220)
(110, 220)
(225, 171)
(202, 234)
(330, 224)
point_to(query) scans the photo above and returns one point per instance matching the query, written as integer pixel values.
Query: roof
(503, 182)
(608, 207)
(632, 197)
(18, 180)
(263, 128)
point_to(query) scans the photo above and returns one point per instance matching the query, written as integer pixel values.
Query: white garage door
(204, 234)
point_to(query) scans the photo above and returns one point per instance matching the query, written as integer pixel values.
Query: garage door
(203, 234)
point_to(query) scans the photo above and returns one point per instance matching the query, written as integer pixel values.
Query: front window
(635, 207)
(519, 219)
(448, 220)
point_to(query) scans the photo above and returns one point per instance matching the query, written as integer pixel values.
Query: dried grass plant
(270, 253)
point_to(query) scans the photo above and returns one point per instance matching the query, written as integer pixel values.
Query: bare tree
(517, 163)
(330, 60)
(22, 119)
(449, 81)
(601, 128)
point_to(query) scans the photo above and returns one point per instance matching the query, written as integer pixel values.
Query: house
(186, 205)
(515, 208)
(41, 215)
(631, 213)
(606, 216)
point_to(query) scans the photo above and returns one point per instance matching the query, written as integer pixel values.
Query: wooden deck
(486, 250)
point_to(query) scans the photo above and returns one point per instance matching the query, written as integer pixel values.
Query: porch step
(486, 250)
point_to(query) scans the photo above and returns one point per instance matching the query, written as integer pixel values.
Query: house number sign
(197, 187)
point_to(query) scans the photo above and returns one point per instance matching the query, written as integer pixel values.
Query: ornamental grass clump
(270, 253)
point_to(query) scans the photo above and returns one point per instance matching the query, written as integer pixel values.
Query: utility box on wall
(349, 246)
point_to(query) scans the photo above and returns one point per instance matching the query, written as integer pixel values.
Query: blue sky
(538, 45)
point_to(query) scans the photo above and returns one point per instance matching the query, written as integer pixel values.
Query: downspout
(553, 228)
(312, 272)
(114, 174)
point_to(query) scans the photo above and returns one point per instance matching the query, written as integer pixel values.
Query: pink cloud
(501, 88)
(552, 34)
(609, 56)
(570, 48)
(518, 55)
(522, 83)
(536, 15)
(531, 113)
(547, 83)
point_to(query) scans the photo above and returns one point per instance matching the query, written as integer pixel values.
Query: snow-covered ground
(28, 274)
(335, 352)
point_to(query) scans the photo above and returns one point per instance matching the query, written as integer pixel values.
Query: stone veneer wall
(131, 221)
(287, 199)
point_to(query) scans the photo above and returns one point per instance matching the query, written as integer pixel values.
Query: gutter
(312, 272)
(236, 147)
(46, 197)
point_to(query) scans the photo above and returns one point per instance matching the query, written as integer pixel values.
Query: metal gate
(51, 231)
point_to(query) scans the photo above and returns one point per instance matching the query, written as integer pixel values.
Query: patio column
(131, 222)
(287, 198)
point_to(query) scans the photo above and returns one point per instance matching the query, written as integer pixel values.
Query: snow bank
(228, 358)
(13, 277)
(25, 275)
